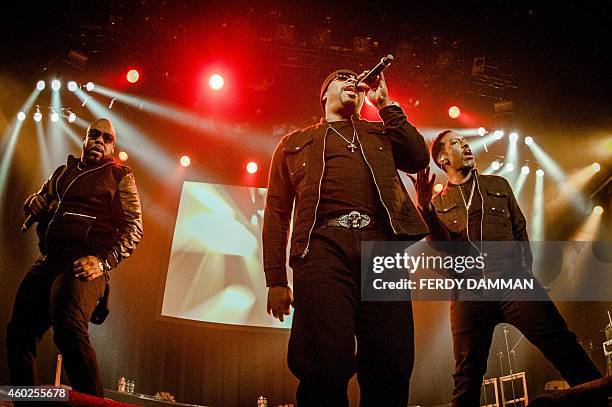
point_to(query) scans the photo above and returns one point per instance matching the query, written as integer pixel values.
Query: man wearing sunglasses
(89, 220)
(339, 178)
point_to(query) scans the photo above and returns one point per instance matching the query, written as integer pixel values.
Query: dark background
(552, 62)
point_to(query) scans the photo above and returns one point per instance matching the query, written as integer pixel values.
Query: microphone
(29, 221)
(370, 78)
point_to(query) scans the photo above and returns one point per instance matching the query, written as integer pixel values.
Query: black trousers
(329, 315)
(50, 296)
(472, 325)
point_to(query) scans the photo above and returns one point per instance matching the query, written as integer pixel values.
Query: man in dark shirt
(481, 209)
(340, 179)
(89, 220)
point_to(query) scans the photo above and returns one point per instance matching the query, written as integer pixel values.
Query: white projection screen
(215, 273)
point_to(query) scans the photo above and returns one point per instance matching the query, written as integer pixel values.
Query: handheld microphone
(370, 78)
(29, 221)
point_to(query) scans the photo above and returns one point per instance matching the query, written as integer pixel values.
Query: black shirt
(347, 183)
(475, 211)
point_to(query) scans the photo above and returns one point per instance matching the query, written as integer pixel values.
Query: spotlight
(596, 167)
(90, 86)
(72, 117)
(482, 131)
(40, 85)
(216, 81)
(56, 85)
(185, 161)
(54, 117)
(438, 188)
(454, 112)
(21, 116)
(525, 169)
(123, 156)
(251, 167)
(37, 115)
(598, 210)
(529, 140)
(72, 86)
(498, 134)
(132, 76)
(540, 172)
(496, 165)
(509, 167)
(513, 137)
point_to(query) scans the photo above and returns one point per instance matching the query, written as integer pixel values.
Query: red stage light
(185, 161)
(132, 76)
(454, 112)
(251, 167)
(216, 81)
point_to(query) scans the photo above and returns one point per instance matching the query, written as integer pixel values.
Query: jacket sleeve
(277, 216)
(44, 190)
(128, 218)
(409, 148)
(519, 226)
(438, 230)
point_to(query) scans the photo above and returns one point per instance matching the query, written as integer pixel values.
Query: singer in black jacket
(482, 209)
(340, 180)
(89, 219)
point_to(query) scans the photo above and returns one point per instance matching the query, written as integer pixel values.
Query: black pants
(472, 325)
(50, 295)
(329, 316)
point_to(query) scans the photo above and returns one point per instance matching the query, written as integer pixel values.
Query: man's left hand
(377, 93)
(87, 268)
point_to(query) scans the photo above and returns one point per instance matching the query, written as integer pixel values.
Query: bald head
(99, 142)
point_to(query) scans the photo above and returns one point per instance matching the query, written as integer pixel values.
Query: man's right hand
(423, 186)
(38, 206)
(279, 300)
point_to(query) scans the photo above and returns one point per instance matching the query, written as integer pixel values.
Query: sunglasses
(94, 134)
(344, 77)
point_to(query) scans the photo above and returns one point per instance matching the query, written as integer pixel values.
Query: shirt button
(380, 148)
(303, 164)
(493, 208)
(297, 148)
(455, 221)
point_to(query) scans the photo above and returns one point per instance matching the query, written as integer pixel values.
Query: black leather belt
(353, 219)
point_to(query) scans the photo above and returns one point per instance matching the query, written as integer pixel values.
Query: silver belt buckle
(354, 220)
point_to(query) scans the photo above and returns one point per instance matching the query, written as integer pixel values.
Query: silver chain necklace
(351, 143)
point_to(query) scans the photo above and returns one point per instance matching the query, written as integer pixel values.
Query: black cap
(328, 80)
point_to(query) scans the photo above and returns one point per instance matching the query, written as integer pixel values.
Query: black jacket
(98, 213)
(297, 171)
(502, 219)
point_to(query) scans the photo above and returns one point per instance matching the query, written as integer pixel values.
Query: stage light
(72, 86)
(529, 140)
(498, 134)
(21, 116)
(251, 167)
(185, 161)
(54, 117)
(438, 188)
(90, 86)
(37, 115)
(40, 85)
(598, 210)
(596, 167)
(513, 137)
(123, 156)
(495, 165)
(509, 167)
(56, 85)
(72, 117)
(525, 169)
(216, 81)
(454, 112)
(132, 76)
(482, 131)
